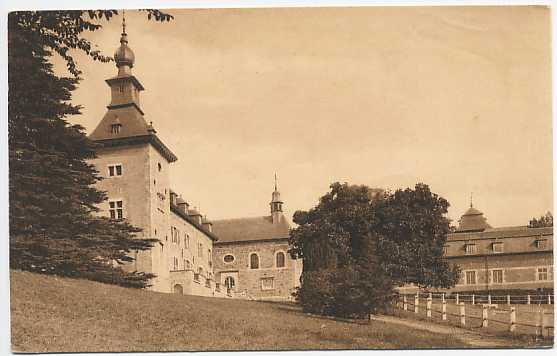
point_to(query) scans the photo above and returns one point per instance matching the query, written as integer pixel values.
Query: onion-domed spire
(124, 56)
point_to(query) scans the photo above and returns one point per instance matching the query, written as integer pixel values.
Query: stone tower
(134, 163)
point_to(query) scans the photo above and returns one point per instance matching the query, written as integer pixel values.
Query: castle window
(470, 277)
(542, 274)
(229, 282)
(541, 243)
(228, 258)
(253, 261)
(115, 128)
(121, 88)
(200, 250)
(114, 170)
(497, 276)
(267, 283)
(187, 241)
(280, 260)
(175, 263)
(470, 248)
(188, 264)
(497, 247)
(116, 210)
(160, 168)
(209, 257)
(445, 250)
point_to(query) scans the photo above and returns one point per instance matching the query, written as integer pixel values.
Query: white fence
(525, 314)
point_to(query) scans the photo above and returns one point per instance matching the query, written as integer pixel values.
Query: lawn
(50, 314)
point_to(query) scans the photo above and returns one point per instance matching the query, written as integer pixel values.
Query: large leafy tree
(358, 243)
(53, 225)
(412, 228)
(342, 274)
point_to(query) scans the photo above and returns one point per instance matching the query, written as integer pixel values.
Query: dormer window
(115, 128)
(470, 248)
(497, 247)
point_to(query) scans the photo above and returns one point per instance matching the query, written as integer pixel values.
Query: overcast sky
(458, 98)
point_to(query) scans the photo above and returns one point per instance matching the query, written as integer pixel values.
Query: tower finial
(275, 181)
(123, 22)
(471, 203)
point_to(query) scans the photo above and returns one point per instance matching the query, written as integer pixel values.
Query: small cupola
(472, 220)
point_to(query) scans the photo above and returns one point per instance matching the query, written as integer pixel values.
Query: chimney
(182, 205)
(195, 215)
(207, 224)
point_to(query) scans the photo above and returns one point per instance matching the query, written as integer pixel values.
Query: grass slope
(50, 314)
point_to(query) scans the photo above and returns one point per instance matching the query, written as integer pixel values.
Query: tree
(543, 221)
(53, 226)
(413, 228)
(359, 243)
(341, 272)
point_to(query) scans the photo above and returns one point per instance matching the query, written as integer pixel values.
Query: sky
(458, 98)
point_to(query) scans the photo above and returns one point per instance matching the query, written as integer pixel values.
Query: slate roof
(250, 229)
(134, 130)
(501, 233)
(473, 220)
(194, 223)
(132, 121)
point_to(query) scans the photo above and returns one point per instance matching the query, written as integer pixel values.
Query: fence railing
(484, 310)
(456, 298)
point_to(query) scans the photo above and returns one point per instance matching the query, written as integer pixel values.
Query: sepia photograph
(303, 178)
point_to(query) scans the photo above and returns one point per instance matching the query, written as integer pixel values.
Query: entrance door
(178, 289)
(229, 280)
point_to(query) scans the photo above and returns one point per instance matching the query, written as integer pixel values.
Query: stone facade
(503, 259)
(492, 260)
(269, 281)
(251, 256)
(135, 164)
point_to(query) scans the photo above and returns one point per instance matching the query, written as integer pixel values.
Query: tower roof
(276, 194)
(124, 123)
(472, 220)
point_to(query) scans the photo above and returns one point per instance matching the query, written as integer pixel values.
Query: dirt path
(472, 338)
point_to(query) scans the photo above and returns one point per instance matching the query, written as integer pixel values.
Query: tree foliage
(543, 221)
(53, 226)
(359, 243)
(413, 228)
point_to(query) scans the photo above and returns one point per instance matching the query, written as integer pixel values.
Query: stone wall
(249, 282)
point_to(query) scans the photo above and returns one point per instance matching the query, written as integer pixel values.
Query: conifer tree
(53, 225)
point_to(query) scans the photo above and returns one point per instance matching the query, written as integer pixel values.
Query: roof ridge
(244, 218)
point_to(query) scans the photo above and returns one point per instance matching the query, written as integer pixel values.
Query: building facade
(504, 260)
(500, 259)
(251, 256)
(134, 164)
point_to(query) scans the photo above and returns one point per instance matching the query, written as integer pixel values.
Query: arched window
(253, 261)
(279, 260)
(229, 282)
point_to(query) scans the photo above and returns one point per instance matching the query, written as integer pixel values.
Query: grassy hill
(50, 314)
